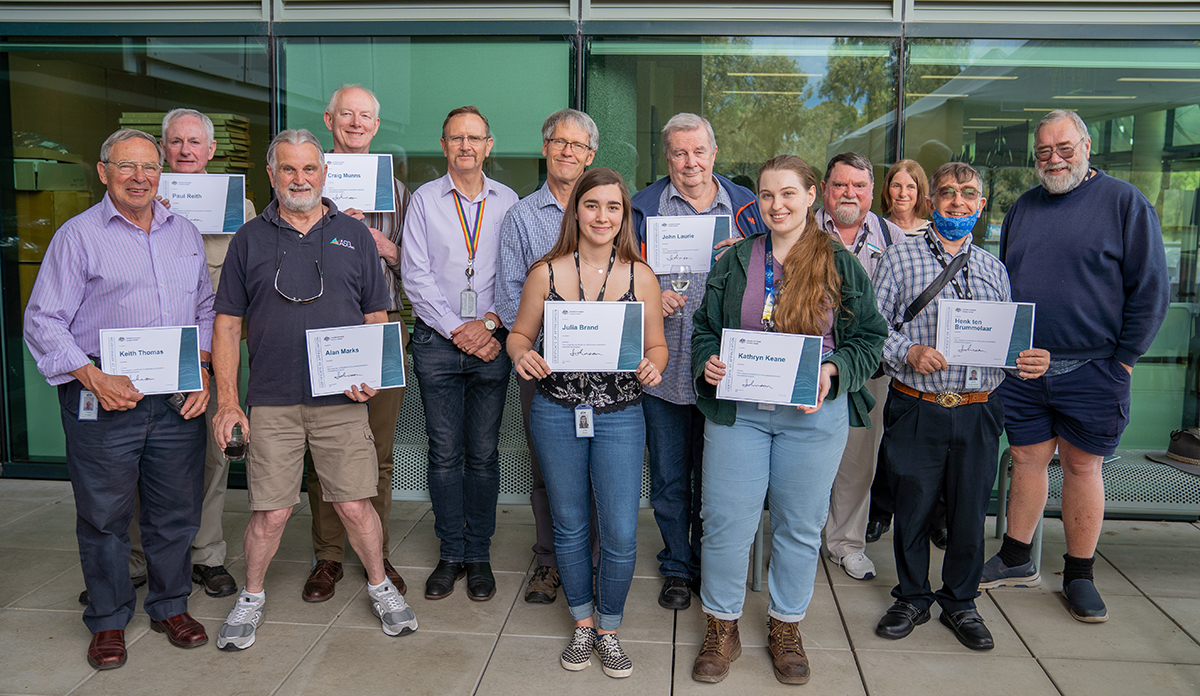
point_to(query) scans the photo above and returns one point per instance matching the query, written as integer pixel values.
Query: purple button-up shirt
(433, 258)
(101, 271)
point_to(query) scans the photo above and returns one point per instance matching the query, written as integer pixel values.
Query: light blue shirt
(529, 231)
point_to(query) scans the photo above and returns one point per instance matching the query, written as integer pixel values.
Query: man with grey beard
(1088, 250)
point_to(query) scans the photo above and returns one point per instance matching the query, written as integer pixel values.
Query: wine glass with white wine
(681, 277)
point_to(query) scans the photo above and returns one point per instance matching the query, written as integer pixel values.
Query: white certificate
(984, 334)
(685, 239)
(369, 354)
(770, 368)
(214, 203)
(362, 181)
(158, 360)
(593, 336)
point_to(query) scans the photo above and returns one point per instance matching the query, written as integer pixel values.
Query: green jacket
(858, 331)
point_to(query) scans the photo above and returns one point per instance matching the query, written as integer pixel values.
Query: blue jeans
(675, 441)
(789, 458)
(463, 398)
(151, 452)
(606, 468)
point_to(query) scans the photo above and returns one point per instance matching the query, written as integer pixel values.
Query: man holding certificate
(124, 264)
(674, 426)
(299, 266)
(451, 241)
(941, 427)
(353, 118)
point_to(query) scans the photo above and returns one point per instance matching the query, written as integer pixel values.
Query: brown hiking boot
(787, 652)
(722, 645)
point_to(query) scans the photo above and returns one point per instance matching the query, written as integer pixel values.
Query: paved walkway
(1148, 572)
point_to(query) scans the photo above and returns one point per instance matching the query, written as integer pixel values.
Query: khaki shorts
(343, 452)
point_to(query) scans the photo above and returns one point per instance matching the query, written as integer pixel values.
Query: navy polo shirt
(345, 252)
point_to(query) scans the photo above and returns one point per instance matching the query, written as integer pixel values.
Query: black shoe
(138, 581)
(675, 594)
(441, 581)
(900, 620)
(940, 537)
(876, 529)
(481, 584)
(968, 627)
(216, 581)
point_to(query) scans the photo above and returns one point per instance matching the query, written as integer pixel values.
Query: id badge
(766, 407)
(466, 304)
(89, 406)
(974, 379)
(585, 424)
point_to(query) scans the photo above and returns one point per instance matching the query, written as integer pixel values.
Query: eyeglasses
(949, 192)
(128, 167)
(1066, 152)
(472, 140)
(297, 299)
(576, 148)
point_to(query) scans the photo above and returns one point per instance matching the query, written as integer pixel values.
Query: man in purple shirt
(126, 262)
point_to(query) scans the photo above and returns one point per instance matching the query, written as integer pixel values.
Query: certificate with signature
(684, 239)
(770, 368)
(369, 354)
(984, 334)
(362, 181)
(158, 359)
(214, 203)
(593, 336)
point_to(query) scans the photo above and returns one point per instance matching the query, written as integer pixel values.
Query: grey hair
(337, 94)
(175, 114)
(129, 134)
(576, 118)
(686, 122)
(961, 172)
(1059, 115)
(850, 159)
(294, 136)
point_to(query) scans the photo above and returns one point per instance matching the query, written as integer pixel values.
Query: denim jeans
(463, 398)
(789, 458)
(675, 441)
(606, 468)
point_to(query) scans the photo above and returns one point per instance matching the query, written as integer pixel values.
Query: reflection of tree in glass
(854, 78)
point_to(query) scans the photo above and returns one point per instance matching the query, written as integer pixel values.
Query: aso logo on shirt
(342, 243)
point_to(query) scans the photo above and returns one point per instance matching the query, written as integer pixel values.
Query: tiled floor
(1149, 573)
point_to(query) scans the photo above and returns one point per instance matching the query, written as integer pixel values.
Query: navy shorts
(1088, 407)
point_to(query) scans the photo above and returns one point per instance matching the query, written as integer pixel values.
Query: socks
(1014, 553)
(377, 588)
(1077, 568)
(255, 595)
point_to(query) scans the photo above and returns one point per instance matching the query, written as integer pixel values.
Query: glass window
(813, 97)
(63, 98)
(979, 100)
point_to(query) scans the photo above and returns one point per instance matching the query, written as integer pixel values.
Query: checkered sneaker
(394, 613)
(612, 658)
(237, 633)
(579, 652)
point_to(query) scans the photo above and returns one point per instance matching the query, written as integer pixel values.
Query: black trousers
(931, 448)
(882, 503)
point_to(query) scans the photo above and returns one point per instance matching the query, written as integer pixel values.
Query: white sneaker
(857, 565)
(397, 617)
(237, 633)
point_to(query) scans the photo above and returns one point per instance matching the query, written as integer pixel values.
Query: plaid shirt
(903, 273)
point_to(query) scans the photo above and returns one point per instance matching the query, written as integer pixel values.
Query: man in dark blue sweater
(1087, 248)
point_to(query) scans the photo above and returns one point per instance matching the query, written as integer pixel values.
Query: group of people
(479, 266)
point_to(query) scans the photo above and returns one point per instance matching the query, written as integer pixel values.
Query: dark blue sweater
(1092, 259)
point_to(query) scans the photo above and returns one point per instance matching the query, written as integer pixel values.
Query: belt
(947, 399)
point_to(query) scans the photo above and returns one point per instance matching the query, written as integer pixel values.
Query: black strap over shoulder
(927, 295)
(887, 234)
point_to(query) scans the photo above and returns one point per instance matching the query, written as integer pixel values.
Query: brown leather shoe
(787, 652)
(722, 645)
(182, 630)
(107, 650)
(394, 576)
(322, 581)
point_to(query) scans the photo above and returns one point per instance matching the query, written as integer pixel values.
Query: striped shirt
(528, 232)
(903, 273)
(392, 227)
(101, 271)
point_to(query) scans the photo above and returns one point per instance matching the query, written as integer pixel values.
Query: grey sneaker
(996, 574)
(237, 633)
(579, 651)
(397, 617)
(612, 657)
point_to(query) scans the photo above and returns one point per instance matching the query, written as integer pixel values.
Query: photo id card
(585, 424)
(466, 304)
(89, 406)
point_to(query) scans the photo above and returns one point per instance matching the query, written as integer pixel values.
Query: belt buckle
(948, 399)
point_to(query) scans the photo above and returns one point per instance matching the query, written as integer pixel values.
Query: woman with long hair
(800, 280)
(905, 196)
(594, 259)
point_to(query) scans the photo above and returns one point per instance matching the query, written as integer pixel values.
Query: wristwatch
(207, 366)
(489, 324)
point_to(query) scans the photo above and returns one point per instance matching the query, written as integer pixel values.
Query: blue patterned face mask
(954, 228)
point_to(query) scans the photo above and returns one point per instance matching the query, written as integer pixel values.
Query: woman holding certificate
(795, 280)
(587, 426)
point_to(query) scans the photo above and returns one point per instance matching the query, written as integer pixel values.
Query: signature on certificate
(969, 349)
(749, 382)
(342, 374)
(579, 350)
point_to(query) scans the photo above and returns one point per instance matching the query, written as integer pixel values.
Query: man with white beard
(301, 264)
(1088, 249)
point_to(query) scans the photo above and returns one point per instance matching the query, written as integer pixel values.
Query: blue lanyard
(768, 315)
